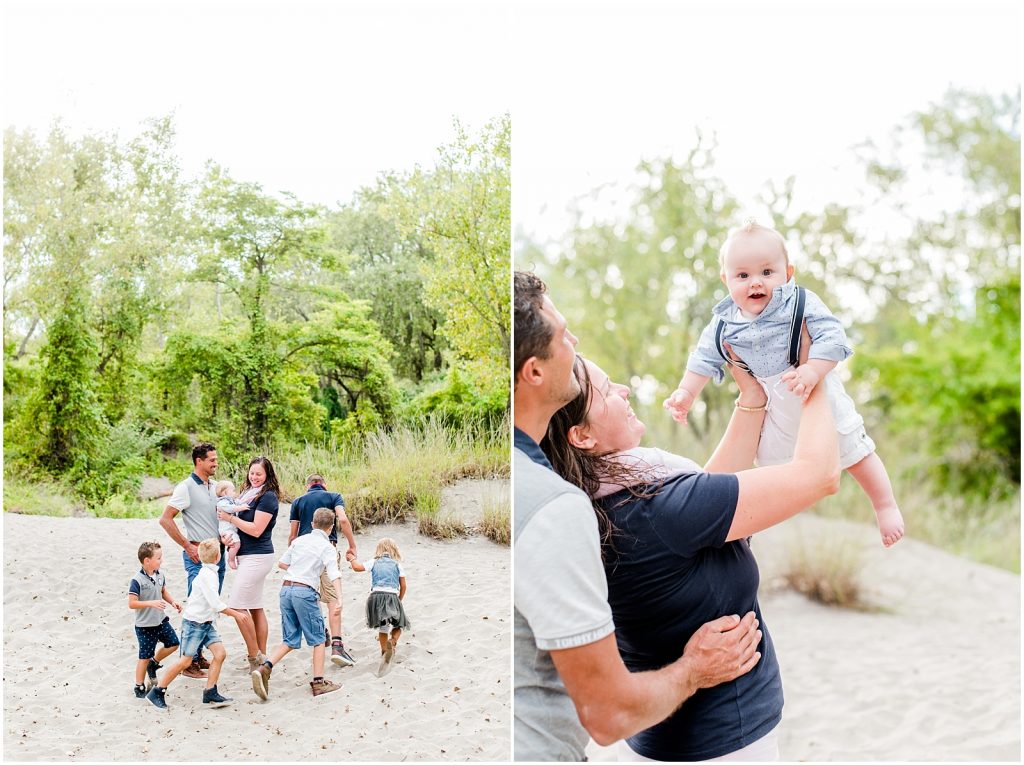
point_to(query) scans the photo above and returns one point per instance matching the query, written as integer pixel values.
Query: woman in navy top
(256, 550)
(676, 554)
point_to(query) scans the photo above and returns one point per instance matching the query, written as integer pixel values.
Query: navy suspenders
(795, 325)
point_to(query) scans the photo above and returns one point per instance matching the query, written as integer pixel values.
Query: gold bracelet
(742, 408)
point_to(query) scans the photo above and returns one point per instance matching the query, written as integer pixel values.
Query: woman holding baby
(256, 550)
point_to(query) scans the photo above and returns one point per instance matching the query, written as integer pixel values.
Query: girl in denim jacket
(384, 610)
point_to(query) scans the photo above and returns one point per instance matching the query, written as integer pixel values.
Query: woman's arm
(260, 518)
(253, 528)
(738, 446)
(770, 495)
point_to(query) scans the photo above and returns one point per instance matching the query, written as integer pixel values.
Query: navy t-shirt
(673, 572)
(250, 545)
(304, 507)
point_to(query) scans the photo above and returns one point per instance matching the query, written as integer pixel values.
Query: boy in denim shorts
(305, 560)
(198, 630)
(148, 597)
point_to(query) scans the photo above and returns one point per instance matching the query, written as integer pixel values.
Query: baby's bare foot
(890, 524)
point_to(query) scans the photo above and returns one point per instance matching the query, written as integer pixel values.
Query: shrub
(496, 524)
(435, 522)
(826, 571)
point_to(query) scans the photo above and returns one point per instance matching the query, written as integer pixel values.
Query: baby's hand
(350, 555)
(679, 403)
(801, 381)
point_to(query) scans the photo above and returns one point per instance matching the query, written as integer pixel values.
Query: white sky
(318, 97)
(315, 98)
(789, 88)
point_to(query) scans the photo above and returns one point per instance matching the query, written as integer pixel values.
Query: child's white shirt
(204, 604)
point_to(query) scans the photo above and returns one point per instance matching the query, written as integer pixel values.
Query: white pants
(765, 749)
(782, 420)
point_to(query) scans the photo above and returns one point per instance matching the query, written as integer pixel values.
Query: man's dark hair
(199, 451)
(533, 331)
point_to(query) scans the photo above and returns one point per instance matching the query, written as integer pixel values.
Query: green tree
(385, 267)
(946, 350)
(63, 415)
(461, 211)
(256, 242)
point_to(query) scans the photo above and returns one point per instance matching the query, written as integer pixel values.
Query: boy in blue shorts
(305, 560)
(198, 629)
(148, 597)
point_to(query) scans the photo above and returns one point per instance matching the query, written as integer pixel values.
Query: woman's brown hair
(586, 470)
(268, 485)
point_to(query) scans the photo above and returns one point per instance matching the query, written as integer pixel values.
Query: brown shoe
(194, 671)
(320, 687)
(203, 663)
(261, 681)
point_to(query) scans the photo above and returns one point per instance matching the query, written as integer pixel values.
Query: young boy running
(305, 560)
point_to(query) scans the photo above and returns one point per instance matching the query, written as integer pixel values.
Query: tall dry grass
(496, 524)
(392, 474)
(826, 570)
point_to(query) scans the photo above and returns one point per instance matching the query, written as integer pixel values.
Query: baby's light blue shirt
(764, 342)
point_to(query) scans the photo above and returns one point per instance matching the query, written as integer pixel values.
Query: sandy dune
(70, 651)
(933, 673)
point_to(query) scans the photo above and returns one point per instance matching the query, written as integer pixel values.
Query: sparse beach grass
(385, 477)
(497, 521)
(39, 496)
(826, 570)
(435, 522)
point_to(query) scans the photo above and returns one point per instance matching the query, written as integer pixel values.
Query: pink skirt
(247, 591)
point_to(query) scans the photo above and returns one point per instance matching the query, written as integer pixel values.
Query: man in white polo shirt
(569, 679)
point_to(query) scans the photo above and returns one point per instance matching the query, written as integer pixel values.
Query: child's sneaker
(322, 686)
(141, 691)
(261, 681)
(385, 661)
(212, 698)
(340, 656)
(152, 667)
(156, 696)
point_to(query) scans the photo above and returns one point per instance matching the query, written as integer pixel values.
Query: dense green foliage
(145, 311)
(924, 273)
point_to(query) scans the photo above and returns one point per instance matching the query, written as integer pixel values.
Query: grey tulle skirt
(385, 608)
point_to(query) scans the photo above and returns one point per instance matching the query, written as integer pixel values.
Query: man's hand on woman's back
(723, 650)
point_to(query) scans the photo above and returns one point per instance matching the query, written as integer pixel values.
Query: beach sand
(932, 674)
(70, 653)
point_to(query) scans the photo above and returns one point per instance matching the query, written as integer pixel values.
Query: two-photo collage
(511, 381)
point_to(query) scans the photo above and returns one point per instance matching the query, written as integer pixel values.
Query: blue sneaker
(152, 667)
(140, 691)
(212, 698)
(156, 696)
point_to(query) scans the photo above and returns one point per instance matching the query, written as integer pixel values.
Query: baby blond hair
(750, 226)
(387, 546)
(223, 487)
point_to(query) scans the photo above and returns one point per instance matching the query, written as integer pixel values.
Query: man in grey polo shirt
(568, 676)
(196, 500)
